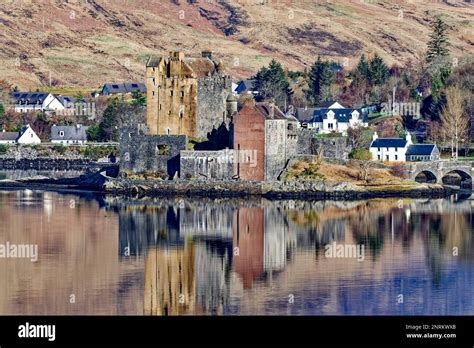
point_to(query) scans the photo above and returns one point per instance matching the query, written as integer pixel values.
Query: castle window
(163, 150)
(182, 94)
(171, 93)
(160, 106)
(181, 114)
(167, 131)
(153, 93)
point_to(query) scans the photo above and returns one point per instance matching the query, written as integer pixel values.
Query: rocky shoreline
(311, 189)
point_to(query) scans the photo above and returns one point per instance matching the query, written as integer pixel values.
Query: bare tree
(455, 119)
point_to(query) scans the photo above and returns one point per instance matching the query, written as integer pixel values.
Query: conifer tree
(439, 43)
(321, 77)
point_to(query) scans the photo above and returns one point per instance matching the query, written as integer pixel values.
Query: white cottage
(390, 149)
(27, 136)
(38, 101)
(335, 119)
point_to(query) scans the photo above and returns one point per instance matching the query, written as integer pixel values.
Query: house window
(396, 149)
(330, 126)
(387, 149)
(386, 157)
(378, 157)
(378, 149)
(396, 157)
(61, 134)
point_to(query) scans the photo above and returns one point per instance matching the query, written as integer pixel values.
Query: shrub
(305, 170)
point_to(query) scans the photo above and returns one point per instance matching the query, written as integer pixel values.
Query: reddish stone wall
(249, 237)
(249, 135)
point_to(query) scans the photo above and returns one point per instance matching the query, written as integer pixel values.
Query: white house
(390, 149)
(336, 119)
(26, 136)
(402, 150)
(37, 101)
(69, 135)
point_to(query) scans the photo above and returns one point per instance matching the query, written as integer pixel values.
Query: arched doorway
(426, 176)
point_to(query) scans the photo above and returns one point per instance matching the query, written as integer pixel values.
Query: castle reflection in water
(199, 252)
(198, 256)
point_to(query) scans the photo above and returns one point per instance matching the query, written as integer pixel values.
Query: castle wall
(207, 164)
(141, 152)
(211, 103)
(275, 147)
(171, 102)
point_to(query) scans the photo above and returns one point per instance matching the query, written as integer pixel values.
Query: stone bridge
(435, 171)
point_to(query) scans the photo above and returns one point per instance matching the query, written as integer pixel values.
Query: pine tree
(438, 44)
(272, 85)
(321, 77)
(363, 68)
(378, 71)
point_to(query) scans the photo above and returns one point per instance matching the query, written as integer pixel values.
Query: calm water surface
(109, 255)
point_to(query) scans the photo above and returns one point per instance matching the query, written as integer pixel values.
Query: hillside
(84, 43)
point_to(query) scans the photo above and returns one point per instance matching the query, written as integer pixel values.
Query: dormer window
(61, 133)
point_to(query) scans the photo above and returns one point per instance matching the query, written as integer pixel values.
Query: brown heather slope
(89, 42)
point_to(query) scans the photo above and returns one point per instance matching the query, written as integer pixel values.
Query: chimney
(207, 54)
(375, 136)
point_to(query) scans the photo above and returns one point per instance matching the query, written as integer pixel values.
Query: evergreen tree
(363, 68)
(321, 77)
(138, 99)
(2, 110)
(438, 44)
(272, 85)
(378, 71)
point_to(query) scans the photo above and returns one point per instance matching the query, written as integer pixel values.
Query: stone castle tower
(186, 96)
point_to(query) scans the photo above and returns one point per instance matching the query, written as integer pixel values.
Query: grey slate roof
(8, 136)
(305, 114)
(64, 99)
(153, 61)
(29, 98)
(70, 132)
(420, 149)
(389, 142)
(270, 112)
(124, 87)
(245, 85)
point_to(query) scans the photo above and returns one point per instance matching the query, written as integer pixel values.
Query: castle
(187, 96)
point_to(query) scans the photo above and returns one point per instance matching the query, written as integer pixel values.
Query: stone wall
(207, 164)
(336, 147)
(275, 148)
(141, 152)
(304, 141)
(211, 103)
